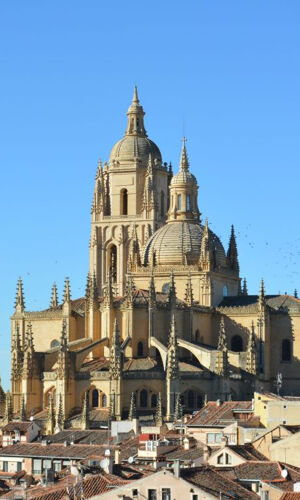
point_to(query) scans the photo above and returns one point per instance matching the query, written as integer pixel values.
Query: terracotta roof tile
(215, 414)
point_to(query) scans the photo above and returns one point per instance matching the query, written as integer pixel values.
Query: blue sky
(225, 72)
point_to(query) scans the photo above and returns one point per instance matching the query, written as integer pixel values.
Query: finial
(232, 253)
(296, 293)
(64, 337)
(20, 303)
(135, 98)
(184, 161)
(262, 288)
(54, 296)
(245, 290)
(67, 291)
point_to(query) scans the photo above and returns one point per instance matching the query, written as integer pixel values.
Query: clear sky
(224, 72)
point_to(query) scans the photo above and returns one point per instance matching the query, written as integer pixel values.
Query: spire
(172, 360)
(23, 409)
(60, 420)
(206, 259)
(152, 293)
(29, 338)
(295, 294)
(172, 292)
(8, 408)
(132, 409)
(84, 420)
(245, 290)
(16, 355)
(115, 368)
(63, 361)
(222, 354)
(251, 363)
(189, 291)
(232, 254)
(20, 302)
(28, 353)
(135, 115)
(67, 291)
(54, 296)
(88, 286)
(158, 411)
(184, 161)
(261, 297)
(50, 416)
(178, 408)
(129, 290)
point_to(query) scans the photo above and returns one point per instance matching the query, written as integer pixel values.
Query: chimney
(117, 456)
(224, 441)
(186, 443)
(176, 468)
(205, 454)
(219, 402)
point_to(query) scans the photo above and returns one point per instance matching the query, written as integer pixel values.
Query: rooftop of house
(280, 303)
(248, 452)
(276, 397)
(268, 471)
(220, 413)
(16, 425)
(213, 481)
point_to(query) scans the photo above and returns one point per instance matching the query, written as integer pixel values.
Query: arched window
(113, 262)
(54, 343)
(188, 202)
(286, 350)
(237, 343)
(199, 401)
(197, 336)
(143, 398)
(140, 349)
(162, 204)
(191, 399)
(95, 398)
(179, 202)
(104, 401)
(124, 202)
(225, 291)
(165, 288)
(153, 401)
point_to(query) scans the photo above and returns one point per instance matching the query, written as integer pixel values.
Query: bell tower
(129, 204)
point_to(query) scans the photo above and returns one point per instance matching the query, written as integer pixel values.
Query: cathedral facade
(165, 322)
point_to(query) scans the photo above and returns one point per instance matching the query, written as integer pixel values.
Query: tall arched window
(113, 262)
(286, 350)
(143, 398)
(199, 401)
(225, 291)
(237, 343)
(188, 202)
(162, 204)
(95, 398)
(191, 399)
(140, 349)
(179, 202)
(153, 401)
(124, 202)
(197, 336)
(104, 401)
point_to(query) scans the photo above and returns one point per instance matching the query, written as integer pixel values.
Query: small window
(220, 459)
(37, 466)
(19, 466)
(140, 349)
(225, 291)
(284, 422)
(143, 398)
(57, 465)
(188, 203)
(152, 495)
(46, 464)
(95, 398)
(286, 350)
(179, 202)
(210, 438)
(219, 437)
(195, 497)
(228, 459)
(124, 202)
(284, 406)
(5, 466)
(165, 494)
(135, 492)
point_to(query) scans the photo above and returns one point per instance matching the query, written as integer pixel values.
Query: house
(198, 483)
(235, 455)
(23, 432)
(217, 419)
(274, 410)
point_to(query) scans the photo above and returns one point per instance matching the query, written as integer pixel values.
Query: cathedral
(166, 321)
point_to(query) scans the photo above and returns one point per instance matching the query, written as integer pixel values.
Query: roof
(290, 496)
(214, 413)
(20, 426)
(280, 303)
(96, 437)
(276, 397)
(67, 487)
(263, 471)
(77, 451)
(212, 481)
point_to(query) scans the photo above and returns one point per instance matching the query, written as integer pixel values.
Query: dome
(178, 243)
(132, 146)
(183, 177)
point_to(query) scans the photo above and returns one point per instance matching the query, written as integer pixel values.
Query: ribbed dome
(178, 243)
(183, 177)
(134, 146)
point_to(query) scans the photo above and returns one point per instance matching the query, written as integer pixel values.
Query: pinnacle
(184, 161)
(135, 98)
(20, 303)
(67, 291)
(54, 297)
